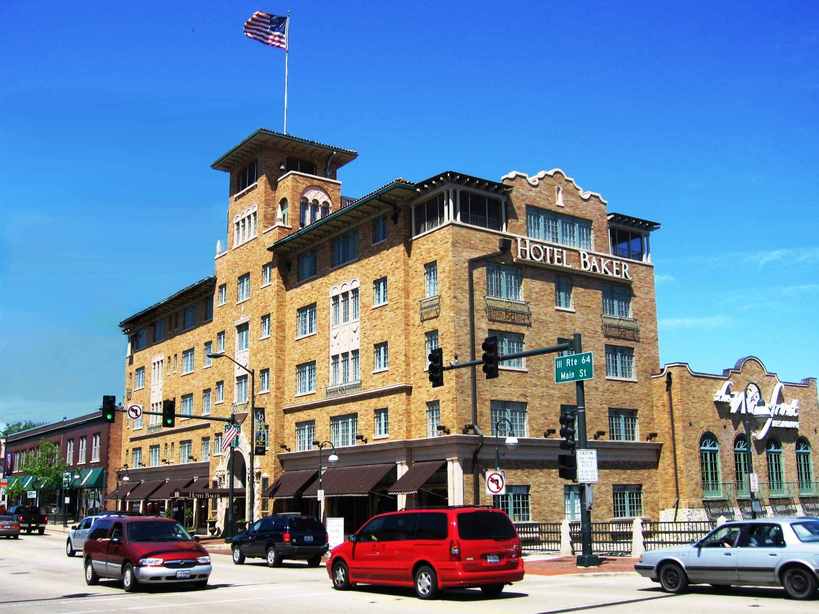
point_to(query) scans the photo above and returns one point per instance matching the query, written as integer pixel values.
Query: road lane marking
(208, 602)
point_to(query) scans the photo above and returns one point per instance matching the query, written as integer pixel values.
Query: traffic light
(436, 367)
(567, 430)
(109, 410)
(567, 466)
(168, 410)
(490, 357)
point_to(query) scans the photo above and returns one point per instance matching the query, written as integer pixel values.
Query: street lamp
(251, 471)
(510, 440)
(332, 459)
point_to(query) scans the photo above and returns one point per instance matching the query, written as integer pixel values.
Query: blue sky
(704, 118)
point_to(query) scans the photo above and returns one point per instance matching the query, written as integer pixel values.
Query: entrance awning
(89, 478)
(144, 489)
(196, 489)
(119, 492)
(291, 483)
(415, 478)
(169, 490)
(12, 481)
(225, 492)
(350, 481)
(26, 482)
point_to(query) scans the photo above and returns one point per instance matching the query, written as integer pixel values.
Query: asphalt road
(36, 576)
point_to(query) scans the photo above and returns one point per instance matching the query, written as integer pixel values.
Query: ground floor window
(571, 502)
(628, 501)
(515, 503)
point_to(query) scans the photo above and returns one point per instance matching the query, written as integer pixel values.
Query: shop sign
(31, 494)
(543, 253)
(775, 414)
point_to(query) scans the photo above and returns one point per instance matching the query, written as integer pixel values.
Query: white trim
(534, 181)
(381, 370)
(245, 190)
(566, 309)
(315, 332)
(621, 379)
(302, 174)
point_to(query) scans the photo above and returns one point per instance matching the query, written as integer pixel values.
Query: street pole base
(588, 560)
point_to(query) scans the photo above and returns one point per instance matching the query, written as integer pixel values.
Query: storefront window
(710, 466)
(628, 501)
(742, 462)
(776, 480)
(804, 468)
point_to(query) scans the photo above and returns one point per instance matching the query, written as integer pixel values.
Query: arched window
(283, 213)
(304, 213)
(709, 466)
(776, 477)
(804, 467)
(325, 209)
(743, 464)
(314, 211)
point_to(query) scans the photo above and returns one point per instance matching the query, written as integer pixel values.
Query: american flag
(268, 29)
(231, 432)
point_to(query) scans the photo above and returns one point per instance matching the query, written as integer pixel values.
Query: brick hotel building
(336, 302)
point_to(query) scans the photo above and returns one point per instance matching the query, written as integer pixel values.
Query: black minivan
(279, 537)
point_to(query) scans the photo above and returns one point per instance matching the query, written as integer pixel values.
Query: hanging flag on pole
(271, 30)
(229, 437)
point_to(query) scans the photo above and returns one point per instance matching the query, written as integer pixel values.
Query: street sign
(135, 411)
(587, 466)
(753, 481)
(574, 367)
(31, 494)
(495, 482)
(67, 500)
(320, 495)
(66, 479)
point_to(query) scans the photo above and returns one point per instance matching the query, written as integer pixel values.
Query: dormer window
(246, 176)
(302, 166)
(244, 226)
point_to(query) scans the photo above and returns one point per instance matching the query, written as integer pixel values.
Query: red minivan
(431, 550)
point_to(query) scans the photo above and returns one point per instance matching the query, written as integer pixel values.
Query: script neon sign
(776, 413)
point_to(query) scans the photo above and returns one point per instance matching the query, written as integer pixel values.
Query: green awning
(12, 481)
(93, 478)
(26, 482)
(76, 477)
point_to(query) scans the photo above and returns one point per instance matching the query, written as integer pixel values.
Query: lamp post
(250, 478)
(510, 440)
(332, 459)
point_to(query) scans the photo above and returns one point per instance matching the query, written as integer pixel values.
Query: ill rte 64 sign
(574, 367)
(495, 482)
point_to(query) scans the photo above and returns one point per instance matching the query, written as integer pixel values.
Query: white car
(79, 532)
(764, 552)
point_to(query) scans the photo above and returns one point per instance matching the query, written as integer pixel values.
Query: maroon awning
(415, 478)
(291, 483)
(356, 481)
(170, 490)
(144, 489)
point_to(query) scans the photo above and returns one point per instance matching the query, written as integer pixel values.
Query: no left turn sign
(135, 411)
(495, 482)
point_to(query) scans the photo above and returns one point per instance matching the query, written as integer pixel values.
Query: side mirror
(75, 527)
(353, 538)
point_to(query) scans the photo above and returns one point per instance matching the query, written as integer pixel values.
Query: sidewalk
(564, 565)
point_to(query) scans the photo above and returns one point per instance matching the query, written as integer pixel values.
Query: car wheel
(69, 549)
(91, 577)
(200, 584)
(314, 562)
(426, 582)
(799, 583)
(41, 530)
(16, 536)
(492, 590)
(273, 559)
(129, 581)
(673, 578)
(341, 576)
(238, 557)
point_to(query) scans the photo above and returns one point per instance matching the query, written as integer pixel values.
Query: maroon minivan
(431, 550)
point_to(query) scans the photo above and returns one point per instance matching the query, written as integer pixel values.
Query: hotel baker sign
(774, 414)
(544, 253)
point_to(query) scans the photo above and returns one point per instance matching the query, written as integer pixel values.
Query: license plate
(183, 573)
(308, 539)
(492, 558)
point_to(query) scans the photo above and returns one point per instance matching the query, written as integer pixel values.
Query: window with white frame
(345, 368)
(515, 503)
(430, 213)
(220, 392)
(430, 343)
(283, 213)
(381, 423)
(380, 292)
(136, 458)
(207, 361)
(563, 292)
(343, 430)
(504, 282)
(516, 414)
(264, 380)
(139, 378)
(265, 325)
(306, 320)
(221, 294)
(242, 337)
(623, 424)
(188, 361)
(217, 444)
(571, 502)
(344, 247)
(81, 456)
(433, 418)
(431, 279)
(96, 439)
(244, 226)
(619, 362)
(617, 301)
(306, 377)
(243, 288)
(69, 452)
(381, 357)
(305, 435)
(206, 402)
(307, 265)
(379, 229)
(628, 500)
(510, 343)
(156, 417)
(629, 244)
(185, 451)
(153, 456)
(204, 449)
(241, 389)
(267, 274)
(187, 405)
(557, 228)
(345, 307)
(480, 210)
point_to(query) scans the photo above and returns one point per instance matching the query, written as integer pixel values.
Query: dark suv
(279, 537)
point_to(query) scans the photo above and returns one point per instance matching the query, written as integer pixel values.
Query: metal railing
(718, 490)
(808, 489)
(612, 538)
(539, 536)
(658, 535)
(779, 490)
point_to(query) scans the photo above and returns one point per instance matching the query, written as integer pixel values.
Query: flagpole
(286, 54)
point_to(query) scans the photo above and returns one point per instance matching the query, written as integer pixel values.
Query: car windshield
(807, 531)
(157, 531)
(7, 518)
(485, 525)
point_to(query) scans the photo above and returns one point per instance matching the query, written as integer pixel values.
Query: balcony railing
(340, 390)
(779, 490)
(718, 490)
(621, 328)
(808, 489)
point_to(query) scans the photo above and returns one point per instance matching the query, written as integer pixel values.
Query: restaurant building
(335, 303)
